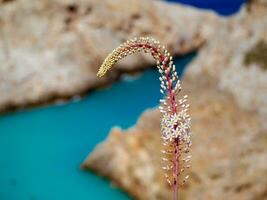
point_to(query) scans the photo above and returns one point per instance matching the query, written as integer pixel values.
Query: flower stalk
(175, 122)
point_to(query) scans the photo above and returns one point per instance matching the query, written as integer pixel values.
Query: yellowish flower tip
(103, 69)
(107, 64)
(100, 73)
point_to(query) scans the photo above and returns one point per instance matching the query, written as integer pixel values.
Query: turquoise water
(41, 149)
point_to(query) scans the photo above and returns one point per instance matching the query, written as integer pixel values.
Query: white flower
(183, 114)
(166, 133)
(165, 118)
(183, 127)
(171, 122)
(176, 125)
(176, 117)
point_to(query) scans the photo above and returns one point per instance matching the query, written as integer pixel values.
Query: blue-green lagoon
(41, 149)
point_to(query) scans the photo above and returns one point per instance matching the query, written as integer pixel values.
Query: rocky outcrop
(229, 152)
(53, 48)
(228, 109)
(224, 58)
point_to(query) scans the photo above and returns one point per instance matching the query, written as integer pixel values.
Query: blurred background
(57, 119)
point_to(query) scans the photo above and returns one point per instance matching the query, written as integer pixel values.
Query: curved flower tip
(102, 70)
(111, 59)
(100, 74)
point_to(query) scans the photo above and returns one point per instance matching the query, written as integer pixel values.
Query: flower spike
(175, 122)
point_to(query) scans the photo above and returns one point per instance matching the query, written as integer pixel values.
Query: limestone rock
(130, 158)
(224, 58)
(53, 48)
(228, 109)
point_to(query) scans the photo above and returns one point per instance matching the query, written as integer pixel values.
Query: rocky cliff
(52, 49)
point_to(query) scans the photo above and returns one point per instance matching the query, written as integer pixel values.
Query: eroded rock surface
(228, 108)
(53, 48)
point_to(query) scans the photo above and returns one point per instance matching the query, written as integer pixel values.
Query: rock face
(224, 57)
(228, 109)
(53, 48)
(134, 158)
